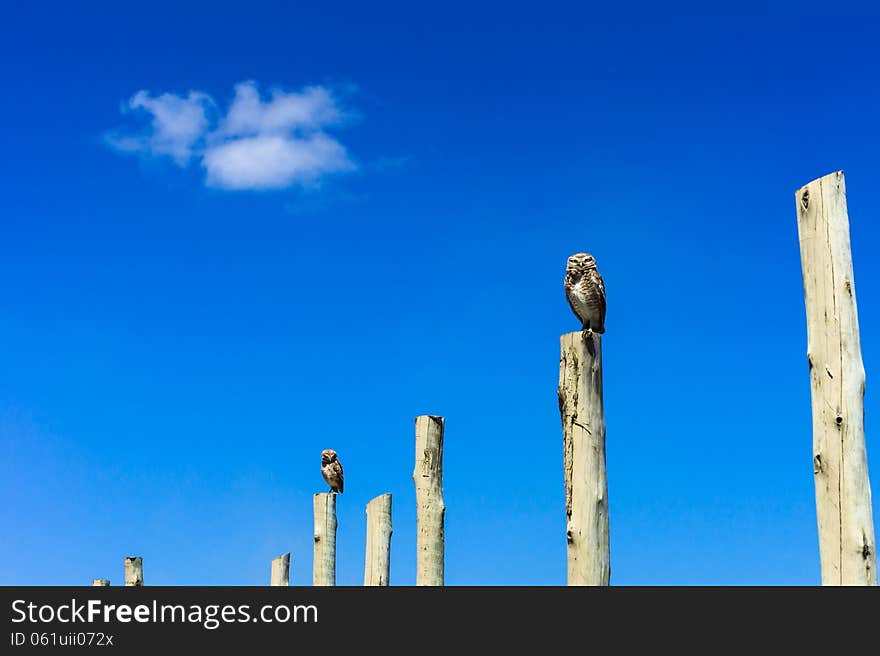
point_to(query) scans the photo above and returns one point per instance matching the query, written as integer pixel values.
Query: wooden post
(280, 570)
(847, 548)
(134, 571)
(431, 511)
(377, 564)
(586, 485)
(100, 583)
(324, 563)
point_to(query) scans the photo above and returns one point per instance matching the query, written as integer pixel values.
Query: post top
(830, 177)
(576, 335)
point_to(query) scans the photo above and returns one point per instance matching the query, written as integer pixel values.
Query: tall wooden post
(280, 570)
(134, 571)
(847, 548)
(324, 562)
(430, 509)
(586, 485)
(377, 563)
(100, 583)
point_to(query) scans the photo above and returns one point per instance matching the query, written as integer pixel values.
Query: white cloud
(273, 161)
(177, 125)
(256, 144)
(310, 109)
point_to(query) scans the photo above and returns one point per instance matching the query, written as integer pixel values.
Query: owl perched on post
(585, 291)
(331, 470)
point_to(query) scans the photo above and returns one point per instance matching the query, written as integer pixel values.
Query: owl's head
(328, 456)
(580, 262)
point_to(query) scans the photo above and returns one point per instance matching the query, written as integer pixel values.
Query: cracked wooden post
(280, 570)
(377, 563)
(430, 509)
(134, 571)
(324, 563)
(837, 386)
(100, 583)
(586, 485)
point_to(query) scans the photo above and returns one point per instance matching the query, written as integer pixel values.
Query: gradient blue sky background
(175, 354)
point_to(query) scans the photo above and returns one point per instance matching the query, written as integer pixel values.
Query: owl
(585, 291)
(331, 470)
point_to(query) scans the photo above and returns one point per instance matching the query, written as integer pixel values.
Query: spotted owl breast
(582, 299)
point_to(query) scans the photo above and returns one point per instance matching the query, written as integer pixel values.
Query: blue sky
(193, 310)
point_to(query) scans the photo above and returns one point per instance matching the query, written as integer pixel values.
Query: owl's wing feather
(337, 469)
(599, 286)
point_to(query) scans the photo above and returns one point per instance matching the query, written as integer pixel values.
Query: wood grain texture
(586, 485)
(134, 571)
(430, 509)
(377, 562)
(837, 384)
(280, 575)
(324, 562)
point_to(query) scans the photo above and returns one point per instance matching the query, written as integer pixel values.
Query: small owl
(585, 291)
(331, 470)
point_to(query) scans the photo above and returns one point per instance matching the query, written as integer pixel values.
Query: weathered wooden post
(586, 485)
(430, 509)
(377, 563)
(100, 583)
(847, 549)
(134, 571)
(280, 570)
(324, 563)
